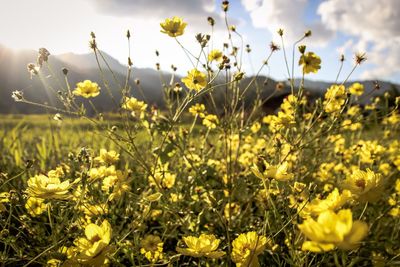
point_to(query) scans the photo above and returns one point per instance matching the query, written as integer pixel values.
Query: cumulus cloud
(162, 8)
(286, 14)
(375, 25)
(194, 12)
(371, 26)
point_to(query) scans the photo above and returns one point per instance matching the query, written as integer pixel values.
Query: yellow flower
(57, 172)
(202, 246)
(108, 157)
(392, 119)
(118, 182)
(278, 172)
(152, 248)
(354, 110)
(137, 107)
(210, 121)
(69, 252)
(246, 248)
(53, 263)
(356, 89)
(197, 109)
(310, 62)
(366, 186)
(231, 210)
(255, 127)
(173, 26)
(385, 168)
(335, 98)
(333, 201)
(101, 172)
(215, 55)
(41, 186)
(333, 230)
(94, 246)
(4, 198)
(35, 206)
(162, 177)
(87, 89)
(397, 187)
(94, 210)
(195, 80)
(175, 197)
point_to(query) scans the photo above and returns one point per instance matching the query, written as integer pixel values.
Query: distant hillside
(317, 86)
(14, 76)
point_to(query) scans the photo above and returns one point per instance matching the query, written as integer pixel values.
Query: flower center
(360, 183)
(95, 239)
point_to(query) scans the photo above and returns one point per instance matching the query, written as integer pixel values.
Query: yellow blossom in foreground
(173, 26)
(120, 186)
(69, 252)
(102, 172)
(137, 107)
(215, 55)
(255, 127)
(246, 248)
(197, 110)
(41, 186)
(365, 185)
(162, 177)
(333, 230)
(333, 201)
(393, 119)
(108, 157)
(335, 97)
(210, 121)
(278, 172)
(35, 206)
(195, 80)
(95, 245)
(356, 89)
(87, 89)
(57, 172)
(310, 62)
(202, 246)
(152, 248)
(394, 200)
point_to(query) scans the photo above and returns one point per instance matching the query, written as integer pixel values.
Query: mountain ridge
(14, 76)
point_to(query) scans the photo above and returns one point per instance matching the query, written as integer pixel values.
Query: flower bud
(211, 21)
(302, 49)
(225, 6)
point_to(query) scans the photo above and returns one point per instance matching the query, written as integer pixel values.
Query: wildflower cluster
(217, 183)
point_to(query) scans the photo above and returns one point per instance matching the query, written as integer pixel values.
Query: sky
(338, 27)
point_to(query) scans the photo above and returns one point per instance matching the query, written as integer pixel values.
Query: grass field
(314, 183)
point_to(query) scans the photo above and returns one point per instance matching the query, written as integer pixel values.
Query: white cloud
(250, 5)
(376, 25)
(65, 26)
(194, 12)
(289, 15)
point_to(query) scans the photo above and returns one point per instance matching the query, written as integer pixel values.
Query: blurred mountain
(369, 86)
(43, 88)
